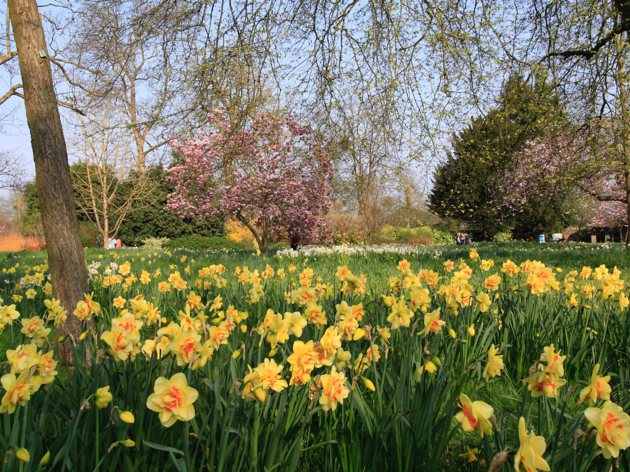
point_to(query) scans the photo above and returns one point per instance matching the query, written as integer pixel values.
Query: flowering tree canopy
(564, 168)
(533, 190)
(270, 175)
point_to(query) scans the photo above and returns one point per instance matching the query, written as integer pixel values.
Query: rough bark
(54, 185)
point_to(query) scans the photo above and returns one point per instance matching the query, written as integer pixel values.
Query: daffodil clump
(186, 348)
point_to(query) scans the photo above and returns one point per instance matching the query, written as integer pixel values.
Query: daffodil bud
(358, 334)
(128, 443)
(368, 384)
(260, 395)
(62, 338)
(236, 353)
(22, 454)
(127, 417)
(272, 353)
(436, 361)
(244, 328)
(44, 460)
(430, 367)
(471, 330)
(463, 341)
(452, 333)
(83, 335)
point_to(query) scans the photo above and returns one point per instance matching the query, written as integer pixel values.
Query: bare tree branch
(12, 91)
(7, 57)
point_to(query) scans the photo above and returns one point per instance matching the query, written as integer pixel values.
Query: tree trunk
(54, 185)
(264, 248)
(261, 239)
(106, 233)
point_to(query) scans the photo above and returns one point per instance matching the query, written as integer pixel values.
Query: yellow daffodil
(494, 365)
(432, 323)
(475, 416)
(102, 397)
(173, 399)
(483, 302)
(18, 391)
(127, 417)
(471, 455)
(529, 456)
(597, 388)
(613, 428)
(333, 390)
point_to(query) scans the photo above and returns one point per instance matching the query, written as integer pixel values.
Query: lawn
(336, 359)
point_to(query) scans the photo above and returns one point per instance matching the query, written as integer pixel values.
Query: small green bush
(154, 243)
(202, 243)
(440, 236)
(401, 234)
(503, 237)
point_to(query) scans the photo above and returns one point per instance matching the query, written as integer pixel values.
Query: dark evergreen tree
(150, 219)
(463, 184)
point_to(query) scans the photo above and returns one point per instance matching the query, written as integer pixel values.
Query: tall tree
(463, 185)
(54, 185)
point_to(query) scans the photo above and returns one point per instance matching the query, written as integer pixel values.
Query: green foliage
(503, 237)
(349, 238)
(202, 243)
(150, 219)
(463, 185)
(405, 234)
(32, 223)
(90, 237)
(414, 235)
(441, 236)
(154, 243)
(147, 219)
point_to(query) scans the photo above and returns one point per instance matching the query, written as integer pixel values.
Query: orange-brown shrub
(14, 242)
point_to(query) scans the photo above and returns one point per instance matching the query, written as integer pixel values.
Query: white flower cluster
(402, 249)
(93, 269)
(111, 269)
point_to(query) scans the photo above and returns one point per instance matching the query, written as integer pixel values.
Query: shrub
(202, 243)
(89, 235)
(238, 232)
(154, 243)
(14, 242)
(347, 237)
(401, 234)
(150, 219)
(442, 236)
(503, 237)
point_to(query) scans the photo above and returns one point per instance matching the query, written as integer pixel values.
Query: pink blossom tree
(270, 175)
(533, 190)
(566, 167)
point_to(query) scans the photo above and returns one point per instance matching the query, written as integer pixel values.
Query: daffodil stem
(255, 438)
(97, 438)
(24, 423)
(187, 432)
